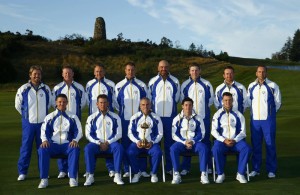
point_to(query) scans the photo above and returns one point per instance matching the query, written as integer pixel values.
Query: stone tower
(100, 31)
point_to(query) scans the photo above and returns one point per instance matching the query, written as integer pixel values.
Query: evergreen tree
(295, 50)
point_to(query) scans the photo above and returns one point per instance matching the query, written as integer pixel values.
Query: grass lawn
(288, 136)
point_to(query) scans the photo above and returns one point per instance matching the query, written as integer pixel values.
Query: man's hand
(45, 144)
(149, 145)
(139, 144)
(229, 142)
(74, 144)
(189, 144)
(104, 146)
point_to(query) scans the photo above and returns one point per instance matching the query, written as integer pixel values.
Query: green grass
(288, 136)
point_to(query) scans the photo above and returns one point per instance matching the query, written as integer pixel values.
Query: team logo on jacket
(135, 92)
(41, 95)
(103, 91)
(263, 92)
(232, 120)
(192, 125)
(168, 88)
(72, 94)
(200, 91)
(108, 123)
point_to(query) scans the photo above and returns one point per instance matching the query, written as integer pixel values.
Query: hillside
(18, 53)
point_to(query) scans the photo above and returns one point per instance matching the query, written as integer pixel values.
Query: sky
(242, 28)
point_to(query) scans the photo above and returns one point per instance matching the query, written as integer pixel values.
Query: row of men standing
(164, 92)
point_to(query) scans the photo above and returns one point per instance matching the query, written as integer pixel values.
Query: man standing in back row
(33, 100)
(265, 100)
(238, 91)
(164, 92)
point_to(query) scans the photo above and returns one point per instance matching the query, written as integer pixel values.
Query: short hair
(67, 67)
(194, 64)
(35, 67)
(130, 64)
(229, 67)
(263, 66)
(102, 96)
(187, 99)
(227, 94)
(61, 95)
(145, 98)
(99, 65)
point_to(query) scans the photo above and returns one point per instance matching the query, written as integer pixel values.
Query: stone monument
(100, 31)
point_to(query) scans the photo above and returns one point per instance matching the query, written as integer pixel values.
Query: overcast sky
(243, 28)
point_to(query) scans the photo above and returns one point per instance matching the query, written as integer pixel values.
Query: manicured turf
(288, 144)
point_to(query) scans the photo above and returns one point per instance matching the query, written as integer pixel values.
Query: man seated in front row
(60, 133)
(145, 131)
(103, 130)
(228, 128)
(187, 131)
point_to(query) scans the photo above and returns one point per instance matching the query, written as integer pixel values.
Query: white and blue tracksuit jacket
(184, 128)
(164, 95)
(76, 96)
(128, 94)
(153, 134)
(265, 99)
(228, 125)
(239, 95)
(96, 87)
(33, 104)
(101, 128)
(61, 128)
(201, 92)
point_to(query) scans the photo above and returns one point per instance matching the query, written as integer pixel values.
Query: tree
(120, 37)
(192, 47)
(295, 50)
(165, 42)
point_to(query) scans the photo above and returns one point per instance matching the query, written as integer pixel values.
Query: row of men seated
(61, 132)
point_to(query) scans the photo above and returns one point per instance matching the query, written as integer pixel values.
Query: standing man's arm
(277, 97)
(18, 101)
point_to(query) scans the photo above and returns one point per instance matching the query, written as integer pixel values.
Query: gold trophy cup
(144, 126)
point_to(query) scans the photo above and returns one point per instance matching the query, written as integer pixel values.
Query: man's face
(187, 108)
(67, 74)
(61, 103)
(228, 75)
(129, 72)
(102, 104)
(99, 72)
(35, 77)
(227, 102)
(194, 72)
(163, 68)
(261, 73)
(145, 106)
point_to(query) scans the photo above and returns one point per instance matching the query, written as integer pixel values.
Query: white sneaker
(43, 183)
(61, 175)
(253, 174)
(73, 182)
(145, 174)
(241, 178)
(204, 178)
(21, 177)
(176, 178)
(220, 178)
(209, 171)
(89, 179)
(184, 172)
(85, 174)
(126, 174)
(136, 177)
(118, 179)
(154, 178)
(271, 175)
(111, 173)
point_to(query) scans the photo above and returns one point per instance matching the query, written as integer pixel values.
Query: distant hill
(19, 52)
